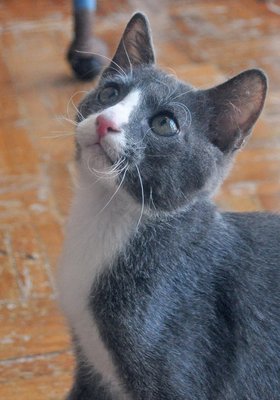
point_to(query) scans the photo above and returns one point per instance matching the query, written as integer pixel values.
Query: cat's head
(161, 139)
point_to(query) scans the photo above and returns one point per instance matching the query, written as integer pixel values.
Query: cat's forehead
(152, 82)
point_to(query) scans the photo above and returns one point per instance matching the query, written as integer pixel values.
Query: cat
(166, 296)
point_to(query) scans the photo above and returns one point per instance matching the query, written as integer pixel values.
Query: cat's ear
(135, 47)
(236, 106)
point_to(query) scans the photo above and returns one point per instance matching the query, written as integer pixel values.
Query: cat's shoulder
(253, 219)
(261, 228)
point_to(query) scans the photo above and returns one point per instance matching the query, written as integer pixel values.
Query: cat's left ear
(135, 47)
(236, 106)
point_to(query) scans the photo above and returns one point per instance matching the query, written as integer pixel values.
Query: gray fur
(189, 309)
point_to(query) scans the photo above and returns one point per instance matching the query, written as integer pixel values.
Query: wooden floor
(202, 42)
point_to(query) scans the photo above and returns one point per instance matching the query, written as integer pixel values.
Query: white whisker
(166, 98)
(112, 197)
(127, 55)
(151, 198)
(62, 117)
(70, 101)
(135, 143)
(60, 135)
(187, 111)
(173, 73)
(143, 198)
(182, 94)
(112, 173)
(120, 69)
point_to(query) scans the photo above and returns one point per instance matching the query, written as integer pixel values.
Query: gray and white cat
(166, 296)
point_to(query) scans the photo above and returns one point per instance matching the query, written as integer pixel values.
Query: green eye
(164, 125)
(109, 95)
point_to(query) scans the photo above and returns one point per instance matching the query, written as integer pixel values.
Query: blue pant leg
(84, 4)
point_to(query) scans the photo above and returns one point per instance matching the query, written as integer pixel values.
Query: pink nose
(105, 125)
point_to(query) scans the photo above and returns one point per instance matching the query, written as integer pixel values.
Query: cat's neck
(104, 197)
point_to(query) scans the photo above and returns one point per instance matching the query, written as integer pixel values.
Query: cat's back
(255, 302)
(257, 243)
(256, 266)
(262, 228)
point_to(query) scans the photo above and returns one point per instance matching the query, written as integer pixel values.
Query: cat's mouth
(105, 151)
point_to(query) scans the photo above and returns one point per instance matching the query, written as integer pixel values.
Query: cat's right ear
(235, 107)
(135, 47)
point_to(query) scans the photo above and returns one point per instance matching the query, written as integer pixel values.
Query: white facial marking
(112, 142)
(120, 112)
(101, 223)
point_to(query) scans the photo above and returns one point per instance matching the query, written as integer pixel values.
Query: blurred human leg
(85, 51)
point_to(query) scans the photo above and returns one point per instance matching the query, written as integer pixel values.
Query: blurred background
(203, 42)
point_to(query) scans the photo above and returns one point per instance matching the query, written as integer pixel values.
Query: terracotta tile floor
(203, 42)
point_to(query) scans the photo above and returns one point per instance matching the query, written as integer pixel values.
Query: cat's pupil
(164, 121)
(164, 125)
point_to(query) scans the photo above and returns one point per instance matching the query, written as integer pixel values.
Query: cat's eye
(164, 125)
(109, 95)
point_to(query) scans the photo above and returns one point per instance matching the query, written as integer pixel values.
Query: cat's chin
(96, 164)
(98, 152)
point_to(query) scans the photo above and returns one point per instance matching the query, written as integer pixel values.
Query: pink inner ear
(238, 104)
(135, 47)
(250, 103)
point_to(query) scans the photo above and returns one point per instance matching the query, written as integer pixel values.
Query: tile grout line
(34, 357)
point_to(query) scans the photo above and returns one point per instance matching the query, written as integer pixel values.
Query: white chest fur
(92, 240)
